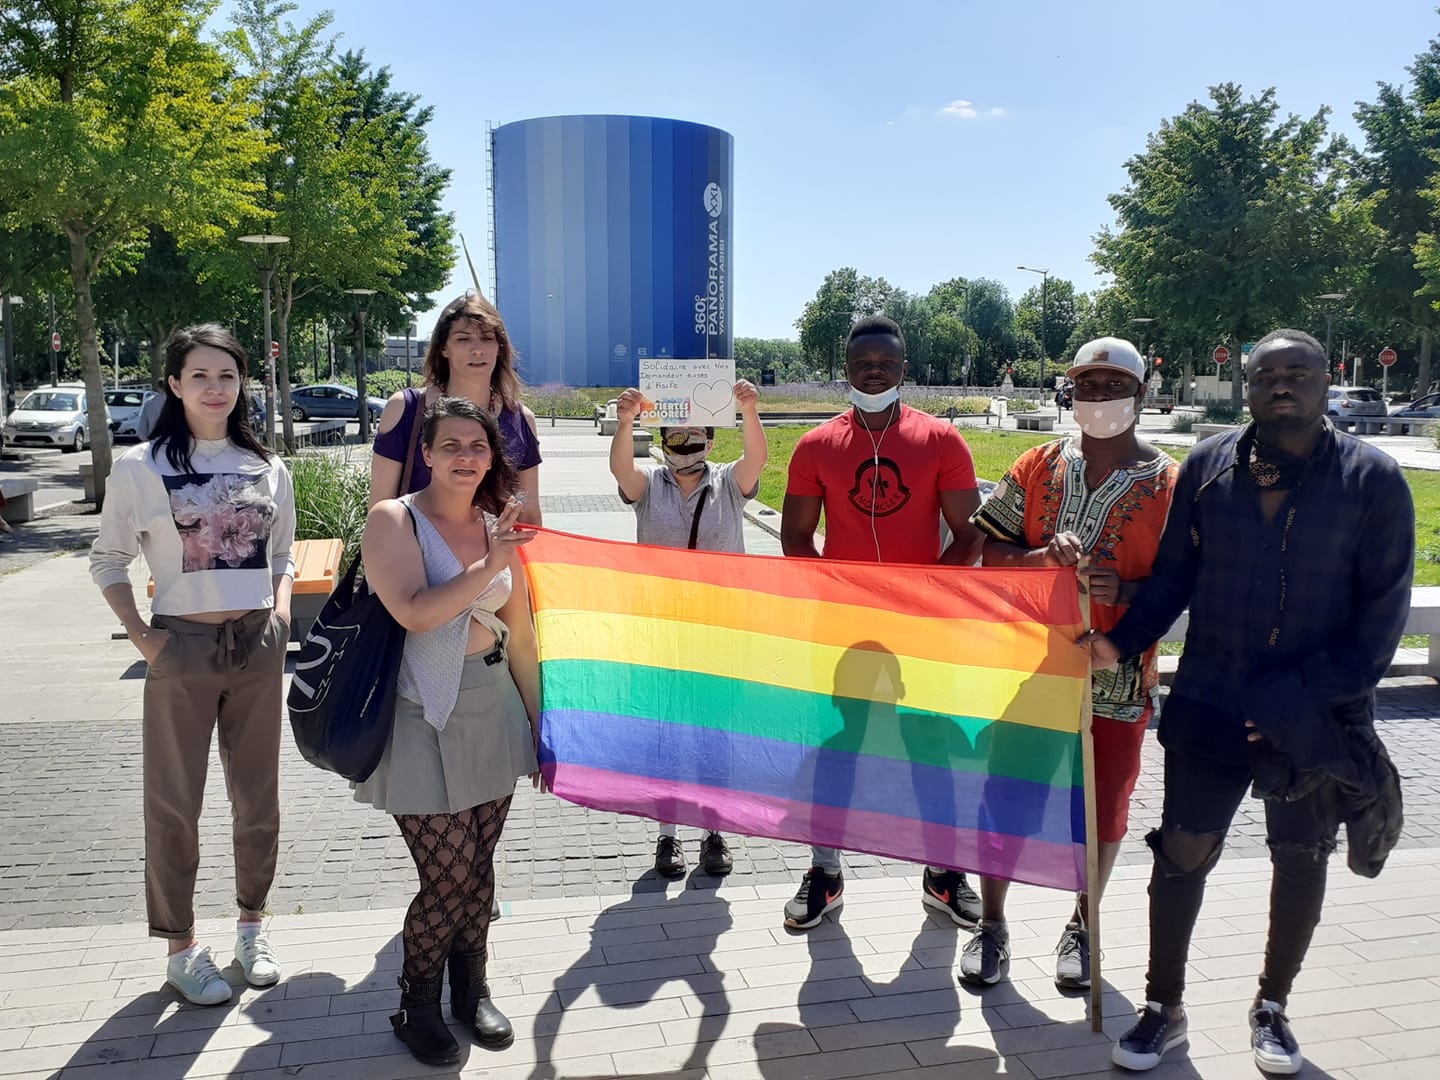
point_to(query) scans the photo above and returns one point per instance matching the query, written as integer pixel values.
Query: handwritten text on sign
(697, 393)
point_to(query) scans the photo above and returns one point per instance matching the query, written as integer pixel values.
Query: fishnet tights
(454, 855)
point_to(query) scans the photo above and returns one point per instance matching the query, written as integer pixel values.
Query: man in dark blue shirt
(1293, 547)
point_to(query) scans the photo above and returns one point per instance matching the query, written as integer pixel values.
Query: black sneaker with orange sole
(819, 892)
(948, 891)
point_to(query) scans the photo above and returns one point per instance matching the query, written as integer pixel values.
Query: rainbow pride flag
(923, 713)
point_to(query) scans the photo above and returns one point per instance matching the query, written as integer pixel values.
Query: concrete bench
(19, 492)
(1382, 425)
(1034, 422)
(317, 565)
(1204, 431)
(321, 432)
(1423, 619)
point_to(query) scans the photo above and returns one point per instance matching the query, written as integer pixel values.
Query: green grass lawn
(994, 451)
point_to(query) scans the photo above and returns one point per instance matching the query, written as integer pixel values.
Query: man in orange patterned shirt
(1103, 498)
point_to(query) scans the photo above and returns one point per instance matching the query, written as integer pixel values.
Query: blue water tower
(612, 243)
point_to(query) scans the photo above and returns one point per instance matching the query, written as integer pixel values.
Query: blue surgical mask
(874, 402)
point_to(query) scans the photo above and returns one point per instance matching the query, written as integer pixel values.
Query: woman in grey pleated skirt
(441, 561)
(485, 745)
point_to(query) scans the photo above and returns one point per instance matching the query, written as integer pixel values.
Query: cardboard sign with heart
(700, 393)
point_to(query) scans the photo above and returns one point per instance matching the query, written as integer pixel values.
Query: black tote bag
(342, 695)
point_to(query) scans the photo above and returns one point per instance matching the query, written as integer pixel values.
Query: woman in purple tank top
(470, 356)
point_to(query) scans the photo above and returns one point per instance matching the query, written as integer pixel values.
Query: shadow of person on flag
(658, 936)
(1031, 810)
(882, 782)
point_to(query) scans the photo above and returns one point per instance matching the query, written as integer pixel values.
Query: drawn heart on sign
(714, 397)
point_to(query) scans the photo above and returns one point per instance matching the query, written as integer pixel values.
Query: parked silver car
(125, 406)
(51, 416)
(1346, 401)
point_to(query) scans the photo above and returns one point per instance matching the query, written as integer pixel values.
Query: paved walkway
(639, 977)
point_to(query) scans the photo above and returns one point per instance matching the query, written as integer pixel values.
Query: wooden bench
(19, 492)
(317, 565)
(1423, 619)
(1034, 422)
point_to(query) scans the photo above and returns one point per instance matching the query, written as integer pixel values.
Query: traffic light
(1159, 360)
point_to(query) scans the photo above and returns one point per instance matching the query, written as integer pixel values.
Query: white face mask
(1105, 419)
(874, 402)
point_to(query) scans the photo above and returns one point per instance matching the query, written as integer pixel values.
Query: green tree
(1053, 304)
(991, 316)
(167, 288)
(843, 297)
(350, 181)
(1228, 219)
(1399, 188)
(781, 355)
(115, 116)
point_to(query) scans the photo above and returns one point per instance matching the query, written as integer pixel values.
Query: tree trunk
(1422, 379)
(1184, 397)
(90, 357)
(282, 364)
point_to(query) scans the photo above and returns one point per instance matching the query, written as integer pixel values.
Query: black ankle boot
(470, 1002)
(420, 1025)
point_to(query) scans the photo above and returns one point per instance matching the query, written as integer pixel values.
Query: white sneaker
(254, 954)
(194, 974)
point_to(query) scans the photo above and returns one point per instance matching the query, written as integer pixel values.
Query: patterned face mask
(1105, 419)
(685, 449)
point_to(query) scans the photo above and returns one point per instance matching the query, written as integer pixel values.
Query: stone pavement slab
(707, 984)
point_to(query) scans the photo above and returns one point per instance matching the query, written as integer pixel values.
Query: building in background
(611, 240)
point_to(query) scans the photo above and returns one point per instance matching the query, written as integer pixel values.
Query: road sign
(274, 350)
(1388, 356)
(55, 342)
(1221, 354)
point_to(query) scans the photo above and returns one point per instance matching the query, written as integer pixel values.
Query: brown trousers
(230, 673)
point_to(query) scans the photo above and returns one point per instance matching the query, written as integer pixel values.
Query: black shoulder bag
(342, 696)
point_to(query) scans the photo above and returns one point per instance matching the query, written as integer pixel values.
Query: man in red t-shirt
(885, 475)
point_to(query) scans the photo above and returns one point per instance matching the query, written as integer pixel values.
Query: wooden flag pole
(1092, 831)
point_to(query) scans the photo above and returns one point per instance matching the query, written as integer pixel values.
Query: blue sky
(918, 141)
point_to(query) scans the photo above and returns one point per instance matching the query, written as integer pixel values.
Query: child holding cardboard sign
(690, 503)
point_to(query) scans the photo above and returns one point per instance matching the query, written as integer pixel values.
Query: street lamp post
(267, 243)
(1331, 299)
(1044, 317)
(408, 316)
(362, 299)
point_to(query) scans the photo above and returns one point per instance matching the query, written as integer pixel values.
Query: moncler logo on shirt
(878, 489)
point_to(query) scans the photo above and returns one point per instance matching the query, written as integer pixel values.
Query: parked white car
(124, 406)
(51, 416)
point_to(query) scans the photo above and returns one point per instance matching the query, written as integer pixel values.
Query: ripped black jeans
(1201, 797)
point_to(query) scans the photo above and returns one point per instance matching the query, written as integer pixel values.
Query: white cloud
(998, 111)
(960, 109)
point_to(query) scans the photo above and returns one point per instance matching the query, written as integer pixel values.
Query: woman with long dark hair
(214, 513)
(469, 356)
(465, 721)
